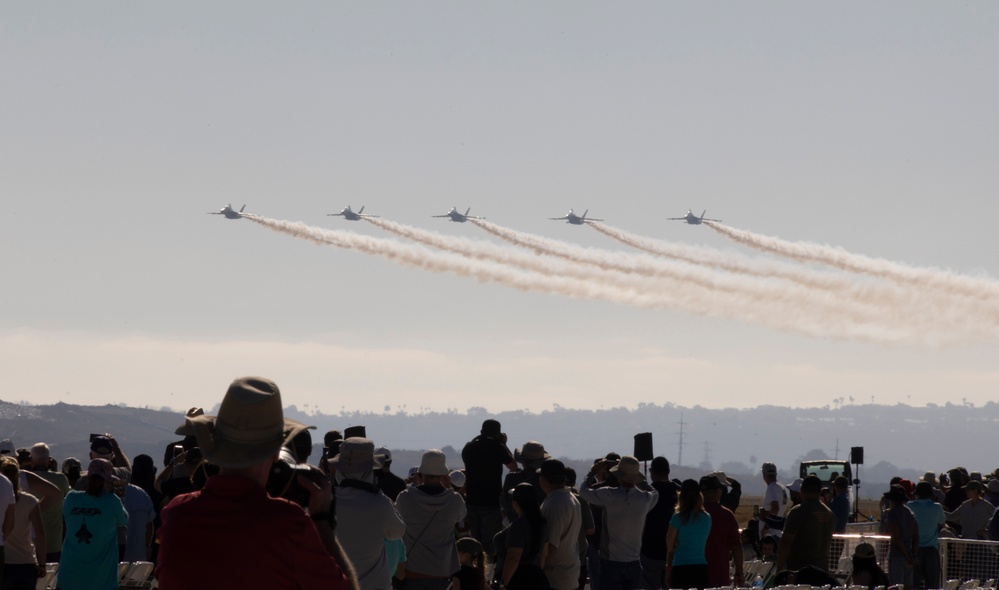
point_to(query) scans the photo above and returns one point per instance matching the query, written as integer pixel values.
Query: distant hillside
(897, 439)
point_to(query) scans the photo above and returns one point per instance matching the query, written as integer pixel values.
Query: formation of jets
(229, 212)
(350, 215)
(693, 219)
(455, 215)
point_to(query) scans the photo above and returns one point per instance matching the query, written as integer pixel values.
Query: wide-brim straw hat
(249, 428)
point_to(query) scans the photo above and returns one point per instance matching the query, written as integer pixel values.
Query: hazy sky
(872, 127)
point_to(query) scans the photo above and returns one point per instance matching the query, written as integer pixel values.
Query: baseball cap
(101, 445)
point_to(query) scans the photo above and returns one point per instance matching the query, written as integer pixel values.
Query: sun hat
(7, 447)
(433, 463)
(532, 455)
(357, 455)
(249, 428)
(709, 482)
(795, 485)
(628, 470)
(101, 468)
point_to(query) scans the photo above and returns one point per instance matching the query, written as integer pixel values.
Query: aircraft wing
(440, 216)
(558, 218)
(676, 219)
(592, 219)
(715, 220)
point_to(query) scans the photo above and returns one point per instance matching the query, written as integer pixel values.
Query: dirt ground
(745, 512)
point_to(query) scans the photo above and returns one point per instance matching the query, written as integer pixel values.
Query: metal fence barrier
(960, 559)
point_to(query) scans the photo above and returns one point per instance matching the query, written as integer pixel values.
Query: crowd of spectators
(237, 505)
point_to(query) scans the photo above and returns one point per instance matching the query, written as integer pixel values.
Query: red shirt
(232, 534)
(724, 533)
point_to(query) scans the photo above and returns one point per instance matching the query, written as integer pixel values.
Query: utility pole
(836, 455)
(679, 459)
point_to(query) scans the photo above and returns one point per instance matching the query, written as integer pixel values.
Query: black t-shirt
(521, 535)
(484, 458)
(657, 521)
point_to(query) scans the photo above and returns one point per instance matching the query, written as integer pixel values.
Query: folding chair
(138, 575)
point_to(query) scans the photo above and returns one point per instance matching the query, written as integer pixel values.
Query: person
(365, 516)
(7, 510)
(144, 476)
(522, 542)
(141, 516)
(624, 508)
(731, 491)
(472, 574)
(775, 501)
(430, 509)
(808, 531)
(904, 534)
(231, 533)
(866, 571)
(90, 549)
(72, 468)
(689, 527)
(531, 456)
(723, 545)
(973, 516)
(389, 483)
(929, 518)
(563, 521)
(587, 527)
(484, 457)
(653, 554)
(840, 506)
(51, 516)
(24, 556)
(105, 446)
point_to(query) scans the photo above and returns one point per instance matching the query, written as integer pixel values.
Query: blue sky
(869, 127)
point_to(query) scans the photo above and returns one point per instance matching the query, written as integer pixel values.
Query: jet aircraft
(459, 217)
(693, 219)
(574, 219)
(229, 212)
(350, 215)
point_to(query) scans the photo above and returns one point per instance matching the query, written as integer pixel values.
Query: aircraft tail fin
(243, 207)
(584, 214)
(361, 210)
(703, 213)
(467, 210)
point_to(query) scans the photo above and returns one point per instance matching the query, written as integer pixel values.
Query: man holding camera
(232, 534)
(484, 457)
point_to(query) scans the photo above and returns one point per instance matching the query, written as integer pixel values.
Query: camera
(282, 482)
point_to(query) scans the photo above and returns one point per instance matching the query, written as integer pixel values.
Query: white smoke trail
(927, 301)
(681, 296)
(852, 301)
(728, 261)
(586, 262)
(941, 280)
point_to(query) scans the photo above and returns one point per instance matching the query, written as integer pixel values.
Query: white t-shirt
(6, 499)
(776, 492)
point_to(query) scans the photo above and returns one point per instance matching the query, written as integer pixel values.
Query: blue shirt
(691, 538)
(840, 506)
(90, 550)
(929, 517)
